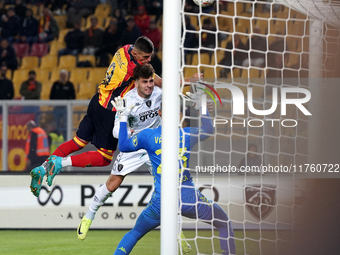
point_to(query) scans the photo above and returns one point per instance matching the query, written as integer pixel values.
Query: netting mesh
(260, 47)
(325, 10)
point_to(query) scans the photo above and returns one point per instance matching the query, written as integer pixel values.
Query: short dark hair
(144, 44)
(31, 72)
(143, 71)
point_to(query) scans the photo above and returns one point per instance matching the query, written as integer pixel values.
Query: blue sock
(130, 239)
(126, 245)
(225, 231)
(221, 221)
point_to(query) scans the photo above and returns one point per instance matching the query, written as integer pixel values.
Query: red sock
(90, 158)
(68, 147)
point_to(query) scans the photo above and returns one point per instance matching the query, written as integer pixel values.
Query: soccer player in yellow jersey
(97, 125)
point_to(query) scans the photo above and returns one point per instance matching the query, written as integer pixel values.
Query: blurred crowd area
(228, 39)
(76, 38)
(247, 39)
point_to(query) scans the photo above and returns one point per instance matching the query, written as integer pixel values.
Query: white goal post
(170, 109)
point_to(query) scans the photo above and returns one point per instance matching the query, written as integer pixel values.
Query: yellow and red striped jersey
(119, 77)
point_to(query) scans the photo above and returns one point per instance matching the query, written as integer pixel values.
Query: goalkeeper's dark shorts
(97, 125)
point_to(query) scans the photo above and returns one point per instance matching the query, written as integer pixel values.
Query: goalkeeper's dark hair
(144, 44)
(143, 71)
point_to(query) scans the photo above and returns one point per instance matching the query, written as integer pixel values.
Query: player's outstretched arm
(193, 135)
(134, 143)
(115, 130)
(207, 125)
(206, 128)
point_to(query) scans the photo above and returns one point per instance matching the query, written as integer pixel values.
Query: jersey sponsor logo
(260, 200)
(120, 167)
(135, 141)
(148, 103)
(149, 114)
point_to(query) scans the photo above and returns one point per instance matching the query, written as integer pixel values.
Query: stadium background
(323, 195)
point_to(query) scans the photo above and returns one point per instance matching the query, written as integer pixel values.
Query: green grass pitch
(65, 242)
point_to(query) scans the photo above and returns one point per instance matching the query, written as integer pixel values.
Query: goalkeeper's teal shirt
(151, 141)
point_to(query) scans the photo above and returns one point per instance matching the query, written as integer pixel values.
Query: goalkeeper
(147, 99)
(195, 204)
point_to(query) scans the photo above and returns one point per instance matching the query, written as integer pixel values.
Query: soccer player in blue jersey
(195, 204)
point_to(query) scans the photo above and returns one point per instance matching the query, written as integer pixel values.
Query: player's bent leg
(70, 146)
(207, 210)
(212, 211)
(114, 181)
(63, 150)
(225, 229)
(103, 193)
(130, 239)
(101, 157)
(55, 163)
(100, 197)
(124, 164)
(37, 175)
(54, 168)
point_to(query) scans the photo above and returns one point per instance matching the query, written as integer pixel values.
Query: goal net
(259, 56)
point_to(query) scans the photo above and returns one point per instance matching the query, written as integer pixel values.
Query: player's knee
(220, 214)
(106, 162)
(113, 182)
(141, 227)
